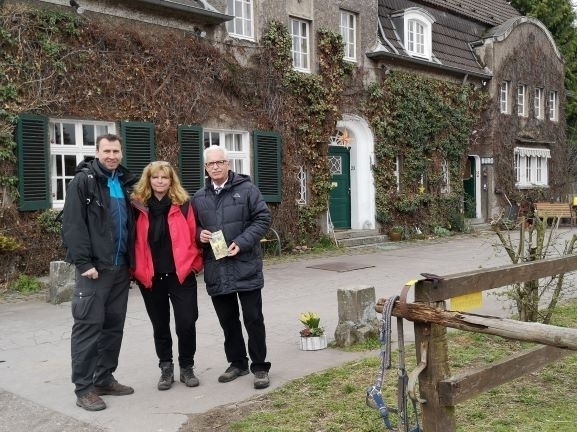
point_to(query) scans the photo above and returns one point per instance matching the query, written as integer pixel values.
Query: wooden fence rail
(443, 392)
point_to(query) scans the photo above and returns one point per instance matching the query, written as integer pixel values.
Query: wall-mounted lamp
(77, 8)
(199, 32)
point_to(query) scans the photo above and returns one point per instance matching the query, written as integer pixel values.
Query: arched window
(417, 34)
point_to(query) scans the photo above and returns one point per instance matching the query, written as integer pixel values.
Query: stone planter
(313, 343)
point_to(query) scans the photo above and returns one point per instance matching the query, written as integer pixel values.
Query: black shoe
(166, 376)
(114, 388)
(188, 378)
(90, 402)
(261, 380)
(232, 373)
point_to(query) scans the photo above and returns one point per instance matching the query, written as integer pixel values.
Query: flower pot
(395, 235)
(313, 343)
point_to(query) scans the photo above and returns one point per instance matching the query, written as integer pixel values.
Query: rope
(374, 398)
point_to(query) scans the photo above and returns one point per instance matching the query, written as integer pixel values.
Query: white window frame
(397, 172)
(504, 97)
(73, 147)
(418, 33)
(538, 103)
(531, 167)
(348, 28)
(446, 176)
(553, 105)
(242, 26)
(300, 35)
(521, 100)
(237, 145)
(302, 193)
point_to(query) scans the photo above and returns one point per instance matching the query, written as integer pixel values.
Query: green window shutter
(33, 162)
(137, 145)
(267, 165)
(190, 158)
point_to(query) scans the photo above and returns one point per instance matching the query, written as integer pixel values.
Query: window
(50, 149)
(531, 167)
(539, 103)
(302, 193)
(521, 106)
(503, 97)
(348, 32)
(418, 29)
(416, 38)
(237, 146)
(300, 44)
(446, 185)
(242, 24)
(553, 106)
(70, 142)
(397, 172)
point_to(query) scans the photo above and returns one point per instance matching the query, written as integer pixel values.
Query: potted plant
(313, 335)
(396, 233)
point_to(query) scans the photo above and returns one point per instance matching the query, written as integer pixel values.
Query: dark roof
(458, 23)
(492, 12)
(202, 9)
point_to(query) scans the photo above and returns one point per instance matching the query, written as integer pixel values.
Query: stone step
(349, 234)
(365, 241)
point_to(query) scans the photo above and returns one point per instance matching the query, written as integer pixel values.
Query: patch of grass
(334, 400)
(25, 285)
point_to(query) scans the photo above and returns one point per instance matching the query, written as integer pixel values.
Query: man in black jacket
(98, 232)
(232, 205)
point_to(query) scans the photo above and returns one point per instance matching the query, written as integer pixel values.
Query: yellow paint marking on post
(412, 282)
(467, 302)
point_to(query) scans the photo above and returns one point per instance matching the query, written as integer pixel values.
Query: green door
(340, 196)
(470, 202)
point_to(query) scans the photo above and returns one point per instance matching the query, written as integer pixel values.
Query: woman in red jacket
(167, 261)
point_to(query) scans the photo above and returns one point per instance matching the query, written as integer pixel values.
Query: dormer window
(417, 32)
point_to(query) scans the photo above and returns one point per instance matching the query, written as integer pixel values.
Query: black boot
(166, 375)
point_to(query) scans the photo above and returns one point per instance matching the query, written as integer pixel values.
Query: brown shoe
(113, 388)
(90, 402)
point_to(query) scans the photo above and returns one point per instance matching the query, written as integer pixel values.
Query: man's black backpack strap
(90, 189)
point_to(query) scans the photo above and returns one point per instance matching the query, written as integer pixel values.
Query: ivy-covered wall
(519, 60)
(62, 65)
(423, 123)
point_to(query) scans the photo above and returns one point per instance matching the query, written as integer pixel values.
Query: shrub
(25, 285)
(9, 244)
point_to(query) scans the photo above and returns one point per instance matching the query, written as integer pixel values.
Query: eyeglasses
(218, 163)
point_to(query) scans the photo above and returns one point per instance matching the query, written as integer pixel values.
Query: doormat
(340, 266)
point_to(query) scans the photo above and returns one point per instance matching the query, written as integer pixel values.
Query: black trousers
(166, 290)
(227, 310)
(99, 312)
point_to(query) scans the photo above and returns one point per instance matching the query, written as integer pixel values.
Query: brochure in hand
(219, 246)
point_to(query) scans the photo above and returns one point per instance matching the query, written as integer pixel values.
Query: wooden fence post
(435, 417)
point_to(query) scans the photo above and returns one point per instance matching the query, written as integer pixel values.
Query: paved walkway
(35, 389)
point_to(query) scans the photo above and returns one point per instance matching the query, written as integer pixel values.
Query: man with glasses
(231, 206)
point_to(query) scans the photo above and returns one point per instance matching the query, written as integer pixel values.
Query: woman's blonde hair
(143, 191)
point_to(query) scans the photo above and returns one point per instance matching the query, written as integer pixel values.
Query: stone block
(357, 316)
(61, 282)
(357, 304)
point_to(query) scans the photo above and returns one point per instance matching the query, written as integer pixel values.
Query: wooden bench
(555, 210)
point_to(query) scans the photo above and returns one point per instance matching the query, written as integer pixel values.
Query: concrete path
(35, 389)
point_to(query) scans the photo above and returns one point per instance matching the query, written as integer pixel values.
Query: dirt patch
(220, 418)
